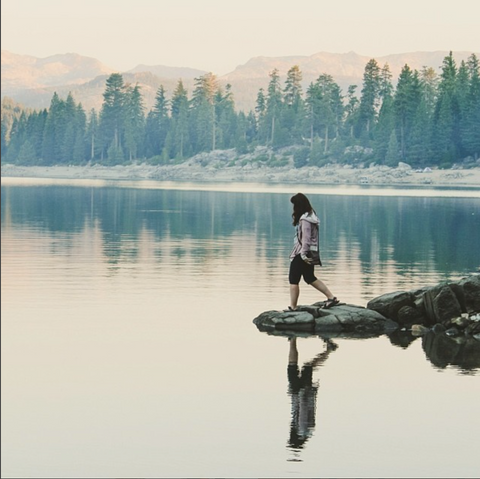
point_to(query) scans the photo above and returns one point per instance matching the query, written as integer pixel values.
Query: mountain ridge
(31, 80)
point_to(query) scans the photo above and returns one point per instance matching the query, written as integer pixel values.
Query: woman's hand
(306, 258)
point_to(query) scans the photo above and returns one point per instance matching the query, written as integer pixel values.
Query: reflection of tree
(303, 393)
(402, 230)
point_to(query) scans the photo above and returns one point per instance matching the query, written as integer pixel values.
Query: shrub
(300, 157)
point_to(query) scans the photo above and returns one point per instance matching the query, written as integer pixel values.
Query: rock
(343, 317)
(292, 320)
(460, 322)
(452, 332)
(472, 329)
(445, 304)
(419, 330)
(471, 291)
(351, 317)
(438, 328)
(389, 304)
(409, 315)
(459, 293)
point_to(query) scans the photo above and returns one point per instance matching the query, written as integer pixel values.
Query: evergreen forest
(426, 119)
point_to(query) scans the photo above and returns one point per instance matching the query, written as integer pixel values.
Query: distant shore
(188, 172)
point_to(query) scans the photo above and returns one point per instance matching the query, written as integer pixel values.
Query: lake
(128, 348)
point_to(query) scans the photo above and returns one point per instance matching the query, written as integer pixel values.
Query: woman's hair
(301, 205)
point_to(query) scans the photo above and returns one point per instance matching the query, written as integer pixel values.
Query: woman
(306, 223)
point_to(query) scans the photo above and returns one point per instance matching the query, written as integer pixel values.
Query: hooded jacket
(306, 235)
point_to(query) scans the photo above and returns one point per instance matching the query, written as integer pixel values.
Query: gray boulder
(471, 291)
(389, 304)
(291, 320)
(340, 318)
(442, 303)
(408, 315)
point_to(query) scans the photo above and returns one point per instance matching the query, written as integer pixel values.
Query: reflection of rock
(443, 350)
(402, 339)
(313, 318)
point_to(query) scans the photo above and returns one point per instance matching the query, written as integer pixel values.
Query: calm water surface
(128, 348)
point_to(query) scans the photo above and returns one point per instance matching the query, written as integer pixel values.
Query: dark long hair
(301, 205)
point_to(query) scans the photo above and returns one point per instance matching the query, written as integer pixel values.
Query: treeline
(426, 119)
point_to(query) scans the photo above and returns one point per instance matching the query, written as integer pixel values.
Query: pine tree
(68, 129)
(134, 122)
(445, 121)
(158, 124)
(407, 98)
(37, 132)
(27, 154)
(293, 116)
(324, 109)
(226, 118)
(392, 155)
(53, 135)
(261, 111)
(273, 106)
(112, 115)
(369, 100)
(471, 130)
(92, 143)
(17, 138)
(203, 124)
(384, 128)
(351, 111)
(4, 144)
(420, 151)
(178, 138)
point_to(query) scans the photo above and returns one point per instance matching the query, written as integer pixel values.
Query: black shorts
(299, 268)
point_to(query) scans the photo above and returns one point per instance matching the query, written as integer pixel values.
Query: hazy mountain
(346, 69)
(21, 72)
(32, 80)
(163, 71)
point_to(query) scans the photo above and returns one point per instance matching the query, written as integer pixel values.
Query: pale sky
(218, 35)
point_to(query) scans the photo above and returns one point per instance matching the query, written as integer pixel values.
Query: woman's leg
(294, 276)
(323, 288)
(294, 294)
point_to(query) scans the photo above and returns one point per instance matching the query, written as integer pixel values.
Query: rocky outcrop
(340, 318)
(446, 308)
(428, 306)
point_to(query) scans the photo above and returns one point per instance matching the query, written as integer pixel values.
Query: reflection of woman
(306, 223)
(303, 392)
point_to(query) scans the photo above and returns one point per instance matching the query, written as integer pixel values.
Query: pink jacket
(306, 234)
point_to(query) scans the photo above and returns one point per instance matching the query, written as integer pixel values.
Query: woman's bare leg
(323, 288)
(294, 294)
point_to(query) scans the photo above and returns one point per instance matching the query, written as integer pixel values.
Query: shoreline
(381, 176)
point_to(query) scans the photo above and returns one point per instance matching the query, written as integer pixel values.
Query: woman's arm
(306, 231)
